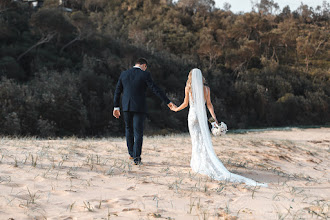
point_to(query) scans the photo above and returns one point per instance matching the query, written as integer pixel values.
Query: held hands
(172, 106)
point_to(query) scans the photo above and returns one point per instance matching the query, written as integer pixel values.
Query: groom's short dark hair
(141, 61)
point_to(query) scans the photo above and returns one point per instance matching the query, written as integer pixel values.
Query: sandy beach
(94, 179)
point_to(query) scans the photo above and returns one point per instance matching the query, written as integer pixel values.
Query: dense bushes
(50, 104)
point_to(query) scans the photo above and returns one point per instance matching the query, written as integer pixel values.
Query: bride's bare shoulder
(206, 88)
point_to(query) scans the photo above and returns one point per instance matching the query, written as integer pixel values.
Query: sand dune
(94, 179)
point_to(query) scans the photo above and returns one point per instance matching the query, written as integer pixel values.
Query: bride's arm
(185, 102)
(209, 104)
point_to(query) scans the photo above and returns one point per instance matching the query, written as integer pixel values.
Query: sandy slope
(93, 179)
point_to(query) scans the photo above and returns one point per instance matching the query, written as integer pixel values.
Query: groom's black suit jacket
(133, 84)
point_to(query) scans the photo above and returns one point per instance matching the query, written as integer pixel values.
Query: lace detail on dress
(205, 161)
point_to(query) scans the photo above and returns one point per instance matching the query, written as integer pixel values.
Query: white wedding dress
(203, 158)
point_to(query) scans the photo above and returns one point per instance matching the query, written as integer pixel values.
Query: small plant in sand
(206, 189)
(205, 214)
(71, 205)
(191, 204)
(98, 159)
(227, 211)
(52, 160)
(88, 206)
(9, 201)
(1, 158)
(61, 162)
(15, 162)
(320, 208)
(32, 197)
(295, 191)
(122, 165)
(155, 215)
(100, 204)
(165, 170)
(109, 214)
(110, 171)
(5, 179)
(176, 185)
(89, 159)
(157, 200)
(34, 160)
(202, 212)
(254, 190)
(57, 174)
(277, 196)
(280, 215)
(221, 187)
(46, 172)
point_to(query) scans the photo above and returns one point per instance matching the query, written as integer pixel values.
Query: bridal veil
(210, 164)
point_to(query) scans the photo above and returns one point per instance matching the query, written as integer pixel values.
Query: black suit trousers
(134, 122)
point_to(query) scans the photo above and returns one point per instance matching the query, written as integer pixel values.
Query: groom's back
(134, 90)
(134, 82)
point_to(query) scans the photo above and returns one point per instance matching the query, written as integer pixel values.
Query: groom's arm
(116, 98)
(156, 90)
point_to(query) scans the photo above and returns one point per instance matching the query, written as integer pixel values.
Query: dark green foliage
(59, 69)
(11, 69)
(59, 102)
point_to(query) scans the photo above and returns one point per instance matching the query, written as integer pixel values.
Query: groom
(133, 84)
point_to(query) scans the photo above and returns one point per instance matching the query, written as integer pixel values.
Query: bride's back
(206, 92)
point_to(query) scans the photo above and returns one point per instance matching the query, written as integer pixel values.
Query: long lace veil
(215, 169)
(197, 89)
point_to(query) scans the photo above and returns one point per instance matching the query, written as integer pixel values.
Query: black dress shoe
(138, 162)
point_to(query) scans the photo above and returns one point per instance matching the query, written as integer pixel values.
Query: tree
(289, 32)
(267, 7)
(4, 5)
(306, 13)
(48, 23)
(311, 44)
(211, 51)
(226, 6)
(95, 5)
(84, 28)
(239, 59)
(271, 41)
(195, 5)
(209, 48)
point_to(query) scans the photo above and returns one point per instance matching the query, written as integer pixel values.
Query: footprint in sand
(123, 202)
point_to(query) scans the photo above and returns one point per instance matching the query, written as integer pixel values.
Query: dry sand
(94, 179)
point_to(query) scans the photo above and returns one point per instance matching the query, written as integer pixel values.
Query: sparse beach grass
(94, 179)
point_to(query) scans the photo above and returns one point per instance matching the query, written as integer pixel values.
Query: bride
(203, 158)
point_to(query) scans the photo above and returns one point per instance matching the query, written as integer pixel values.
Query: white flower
(219, 130)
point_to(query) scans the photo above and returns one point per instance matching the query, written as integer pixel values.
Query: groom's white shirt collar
(117, 108)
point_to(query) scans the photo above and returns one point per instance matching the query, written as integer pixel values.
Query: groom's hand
(116, 113)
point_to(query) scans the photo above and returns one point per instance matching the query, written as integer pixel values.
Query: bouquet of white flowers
(216, 129)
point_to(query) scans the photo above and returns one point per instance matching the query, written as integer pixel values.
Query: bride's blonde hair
(188, 84)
